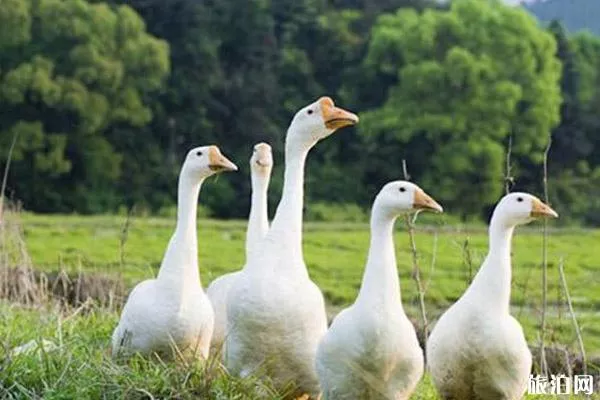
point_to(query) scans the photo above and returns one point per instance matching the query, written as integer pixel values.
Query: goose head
(261, 161)
(400, 197)
(202, 162)
(317, 121)
(521, 208)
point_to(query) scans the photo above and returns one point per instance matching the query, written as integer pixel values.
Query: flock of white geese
(268, 319)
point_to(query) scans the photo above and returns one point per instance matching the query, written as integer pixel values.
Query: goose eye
(199, 153)
(519, 199)
(402, 189)
(309, 112)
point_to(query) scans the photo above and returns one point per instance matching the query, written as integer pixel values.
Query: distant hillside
(576, 15)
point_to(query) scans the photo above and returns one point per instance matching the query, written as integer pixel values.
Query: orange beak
(423, 201)
(218, 162)
(335, 117)
(540, 209)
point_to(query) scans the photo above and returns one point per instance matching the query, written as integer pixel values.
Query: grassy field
(335, 254)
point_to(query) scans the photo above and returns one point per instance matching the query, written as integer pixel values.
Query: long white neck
(180, 263)
(492, 282)
(380, 284)
(258, 221)
(285, 235)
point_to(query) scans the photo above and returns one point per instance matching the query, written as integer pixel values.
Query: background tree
(68, 71)
(103, 123)
(574, 153)
(467, 78)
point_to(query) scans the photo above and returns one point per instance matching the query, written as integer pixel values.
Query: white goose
(261, 164)
(173, 310)
(477, 350)
(371, 350)
(275, 313)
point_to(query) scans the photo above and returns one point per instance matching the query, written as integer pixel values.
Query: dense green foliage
(575, 156)
(69, 72)
(106, 100)
(467, 78)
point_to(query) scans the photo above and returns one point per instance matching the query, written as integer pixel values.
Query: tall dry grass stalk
(416, 269)
(543, 361)
(125, 236)
(467, 258)
(433, 260)
(122, 244)
(508, 178)
(5, 175)
(18, 281)
(565, 287)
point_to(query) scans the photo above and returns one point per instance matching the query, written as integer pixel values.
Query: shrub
(332, 212)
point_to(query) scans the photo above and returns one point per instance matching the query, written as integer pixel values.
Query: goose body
(261, 164)
(275, 313)
(172, 312)
(477, 350)
(371, 350)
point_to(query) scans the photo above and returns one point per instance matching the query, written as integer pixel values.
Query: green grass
(335, 256)
(80, 366)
